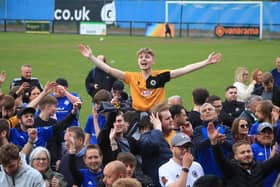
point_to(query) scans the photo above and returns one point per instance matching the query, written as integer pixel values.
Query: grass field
(55, 55)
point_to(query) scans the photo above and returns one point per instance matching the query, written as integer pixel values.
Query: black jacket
(98, 79)
(235, 175)
(233, 109)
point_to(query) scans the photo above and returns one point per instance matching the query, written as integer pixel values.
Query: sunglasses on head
(244, 126)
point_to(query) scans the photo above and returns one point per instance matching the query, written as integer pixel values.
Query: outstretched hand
(85, 50)
(3, 76)
(214, 58)
(49, 86)
(212, 133)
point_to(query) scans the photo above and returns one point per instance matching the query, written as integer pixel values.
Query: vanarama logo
(221, 31)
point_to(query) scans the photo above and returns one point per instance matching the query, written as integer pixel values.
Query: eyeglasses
(244, 126)
(42, 159)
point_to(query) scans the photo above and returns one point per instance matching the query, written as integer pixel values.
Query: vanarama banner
(221, 31)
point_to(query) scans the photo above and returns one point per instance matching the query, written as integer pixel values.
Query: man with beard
(14, 171)
(243, 170)
(154, 148)
(180, 170)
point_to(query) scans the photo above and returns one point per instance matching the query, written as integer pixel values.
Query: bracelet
(112, 144)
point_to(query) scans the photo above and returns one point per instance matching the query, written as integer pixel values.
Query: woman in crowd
(40, 159)
(257, 76)
(241, 77)
(240, 130)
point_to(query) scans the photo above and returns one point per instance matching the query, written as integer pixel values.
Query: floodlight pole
(261, 20)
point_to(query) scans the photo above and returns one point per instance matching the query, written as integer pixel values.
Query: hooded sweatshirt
(25, 176)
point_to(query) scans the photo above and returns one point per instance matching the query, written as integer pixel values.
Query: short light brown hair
(146, 51)
(78, 131)
(267, 78)
(127, 182)
(127, 158)
(158, 108)
(8, 102)
(237, 144)
(101, 95)
(47, 100)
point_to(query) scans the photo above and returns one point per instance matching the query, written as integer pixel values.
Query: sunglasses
(244, 126)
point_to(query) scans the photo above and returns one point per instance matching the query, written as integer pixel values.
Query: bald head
(113, 171)
(175, 100)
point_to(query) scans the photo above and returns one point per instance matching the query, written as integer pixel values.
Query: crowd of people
(141, 139)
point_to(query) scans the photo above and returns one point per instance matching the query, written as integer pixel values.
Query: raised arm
(72, 98)
(66, 122)
(3, 76)
(87, 52)
(212, 59)
(47, 90)
(77, 176)
(32, 136)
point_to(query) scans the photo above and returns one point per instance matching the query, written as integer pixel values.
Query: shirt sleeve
(89, 125)
(164, 176)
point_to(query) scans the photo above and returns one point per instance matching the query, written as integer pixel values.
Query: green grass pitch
(56, 55)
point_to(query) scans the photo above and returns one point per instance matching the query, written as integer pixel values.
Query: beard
(246, 164)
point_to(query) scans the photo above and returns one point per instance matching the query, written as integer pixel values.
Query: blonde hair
(127, 182)
(146, 51)
(239, 74)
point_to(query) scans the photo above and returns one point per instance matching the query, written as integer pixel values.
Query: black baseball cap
(27, 110)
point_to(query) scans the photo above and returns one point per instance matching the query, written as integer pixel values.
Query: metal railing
(138, 28)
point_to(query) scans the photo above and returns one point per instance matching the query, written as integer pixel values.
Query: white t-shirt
(170, 172)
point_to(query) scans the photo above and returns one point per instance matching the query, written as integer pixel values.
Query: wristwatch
(185, 170)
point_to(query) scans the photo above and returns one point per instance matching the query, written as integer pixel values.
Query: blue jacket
(155, 151)
(254, 130)
(204, 152)
(276, 77)
(261, 153)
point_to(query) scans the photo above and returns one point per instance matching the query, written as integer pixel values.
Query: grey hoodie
(25, 177)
